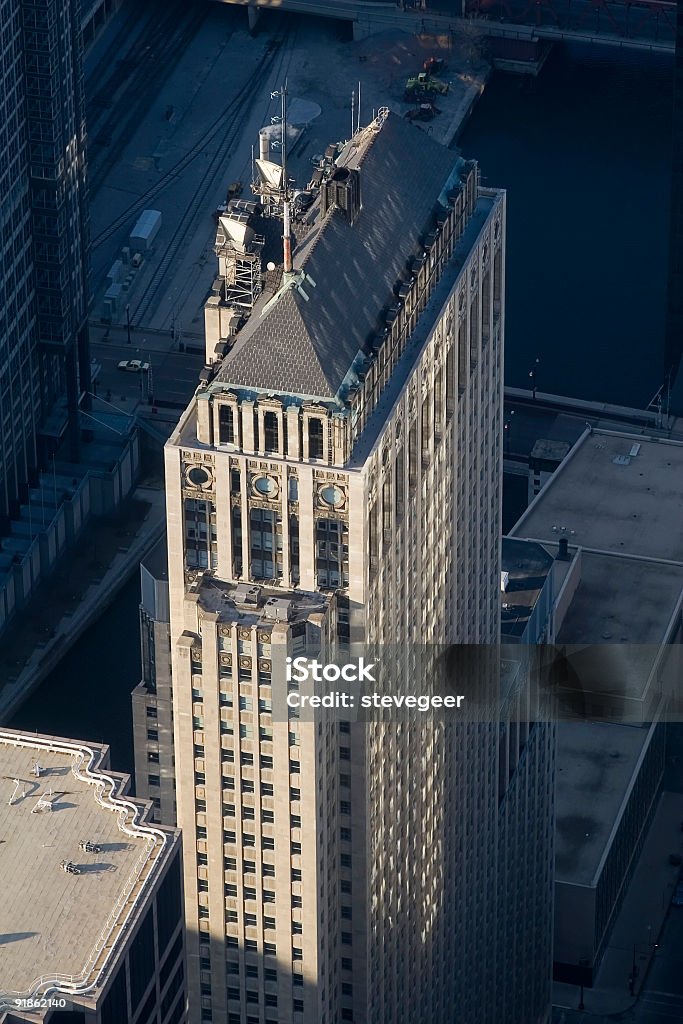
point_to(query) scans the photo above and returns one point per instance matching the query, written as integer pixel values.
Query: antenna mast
(286, 230)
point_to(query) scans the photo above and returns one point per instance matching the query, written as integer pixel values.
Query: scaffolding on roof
(239, 250)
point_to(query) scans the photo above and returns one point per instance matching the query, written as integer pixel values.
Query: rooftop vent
(278, 608)
(247, 595)
(342, 189)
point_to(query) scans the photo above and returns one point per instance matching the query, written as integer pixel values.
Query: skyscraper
(337, 483)
(44, 237)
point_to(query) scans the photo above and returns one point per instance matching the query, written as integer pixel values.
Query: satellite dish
(270, 266)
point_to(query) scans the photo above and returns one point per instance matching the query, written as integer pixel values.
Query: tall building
(91, 922)
(335, 484)
(44, 238)
(153, 697)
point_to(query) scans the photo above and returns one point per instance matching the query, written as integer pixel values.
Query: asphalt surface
(172, 380)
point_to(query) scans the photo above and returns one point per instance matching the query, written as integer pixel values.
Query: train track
(228, 128)
(137, 78)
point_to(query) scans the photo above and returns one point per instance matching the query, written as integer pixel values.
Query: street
(173, 375)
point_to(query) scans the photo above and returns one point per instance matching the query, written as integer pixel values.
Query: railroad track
(227, 127)
(137, 78)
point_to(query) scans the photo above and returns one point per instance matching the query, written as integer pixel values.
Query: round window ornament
(266, 486)
(198, 476)
(332, 495)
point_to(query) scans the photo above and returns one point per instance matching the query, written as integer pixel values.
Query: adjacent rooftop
(53, 923)
(600, 760)
(525, 566)
(617, 493)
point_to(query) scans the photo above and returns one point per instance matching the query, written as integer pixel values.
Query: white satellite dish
(270, 266)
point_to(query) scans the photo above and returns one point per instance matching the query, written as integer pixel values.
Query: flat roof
(53, 923)
(602, 497)
(246, 602)
(629, 602)
(527, 565)
(595, 764)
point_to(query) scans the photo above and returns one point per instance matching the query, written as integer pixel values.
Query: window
(344, 807)
(269, 949)
(294, 767)
(269, 974)
(294, 794)
(270, 423)
(346, 938)
(250, 920)
(230, 889)
(315, 438)
(347, 963)
(345, 753)
(230, 863)
(347, 913)
(295, 849)
(268, 896)
(266, 761)
(266, 789)
(153, 757)
(151, 712)
(297, 954)
(251, 971)
(296, 875)
(268, 817)
(153, 735)
(153, 780)
(268, 922)
(226, 425)
(294, 820)
(298, 1005)
(231, 916)
(345, 860)
(345, 835)
(249, 892)
(297, 928)
(297, 902)
(269, 871)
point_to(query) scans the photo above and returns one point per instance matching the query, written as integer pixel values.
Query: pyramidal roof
(305, 341)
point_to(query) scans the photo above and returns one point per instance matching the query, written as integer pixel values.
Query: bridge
(634, 24)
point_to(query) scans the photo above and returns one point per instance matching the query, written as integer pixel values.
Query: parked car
(133, 366)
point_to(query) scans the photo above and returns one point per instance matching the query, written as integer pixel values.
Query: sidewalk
(68, 602)
(640, 919)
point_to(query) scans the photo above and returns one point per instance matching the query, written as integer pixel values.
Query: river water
(584, 154)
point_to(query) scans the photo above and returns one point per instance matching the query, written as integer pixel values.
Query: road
(173, 378)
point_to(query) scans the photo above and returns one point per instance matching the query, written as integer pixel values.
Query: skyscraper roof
(305, 341)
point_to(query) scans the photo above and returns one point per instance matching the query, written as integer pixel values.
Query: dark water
(584, 154)
(87, 697)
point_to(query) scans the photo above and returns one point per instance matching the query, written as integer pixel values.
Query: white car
(134, 365)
